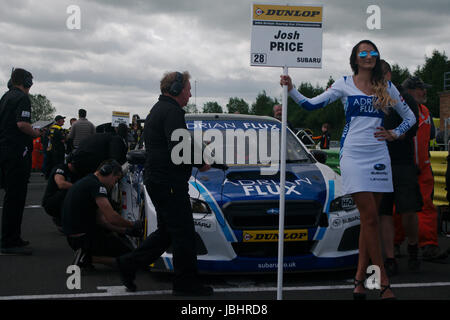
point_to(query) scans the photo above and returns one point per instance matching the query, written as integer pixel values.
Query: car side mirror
(320, 156)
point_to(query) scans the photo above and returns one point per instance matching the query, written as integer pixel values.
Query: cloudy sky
(115, 60)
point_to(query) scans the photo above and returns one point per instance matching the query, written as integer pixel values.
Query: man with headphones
(16, 146)
(90, 222)
(167, 186)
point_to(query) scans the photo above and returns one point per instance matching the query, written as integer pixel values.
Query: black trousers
(100, 242)
(53, 204)
(176, 228)
(15, 175)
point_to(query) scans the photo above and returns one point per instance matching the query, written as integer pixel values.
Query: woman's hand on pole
(286, 81)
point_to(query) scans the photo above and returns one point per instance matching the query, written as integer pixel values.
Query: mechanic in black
(90, 222)
(167, 186)
(16, 144)
(406, 196)
(60, 181)
(99, 147)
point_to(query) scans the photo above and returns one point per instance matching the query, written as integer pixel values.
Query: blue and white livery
(236, 210)
(364, 161)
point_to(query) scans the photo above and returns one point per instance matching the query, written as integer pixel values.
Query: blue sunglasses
(364, 54)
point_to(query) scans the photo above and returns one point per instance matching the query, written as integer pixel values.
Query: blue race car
(236, 208)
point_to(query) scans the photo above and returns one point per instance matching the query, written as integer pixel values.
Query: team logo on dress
(379, 166)
(273, 211)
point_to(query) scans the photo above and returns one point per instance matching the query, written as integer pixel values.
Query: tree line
(432, 72)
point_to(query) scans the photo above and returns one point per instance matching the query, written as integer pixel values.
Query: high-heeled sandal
(358, 295)
(383, 290)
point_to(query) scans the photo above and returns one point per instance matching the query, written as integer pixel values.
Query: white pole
(282, 190)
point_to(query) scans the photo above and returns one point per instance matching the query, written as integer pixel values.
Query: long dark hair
(383, 99)
(377, 73)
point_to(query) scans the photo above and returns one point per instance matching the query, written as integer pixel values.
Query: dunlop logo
(287, 13)
(272, 235)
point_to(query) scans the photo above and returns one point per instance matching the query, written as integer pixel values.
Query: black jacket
(97, 148)
(164, 118)
(401, 151)
(15, 106)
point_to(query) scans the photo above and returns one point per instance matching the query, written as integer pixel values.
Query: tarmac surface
(44, 275)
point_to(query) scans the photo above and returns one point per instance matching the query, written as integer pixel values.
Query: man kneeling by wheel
(89, 221)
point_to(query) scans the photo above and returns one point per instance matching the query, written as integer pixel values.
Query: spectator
(136, 131)
(38, 155)
(99, 147)
(56, 147)
(89, 220)
(16, 143)
(428, 241)
(81, 129)
(406, 196)
(325, 137)
(69, 140)
(277, 113)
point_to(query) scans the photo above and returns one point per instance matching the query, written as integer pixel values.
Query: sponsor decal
(205, 225)
(271, 265)
(338, 223)
(379, 166)
(272, 235)
(26, 114)
(274, 211)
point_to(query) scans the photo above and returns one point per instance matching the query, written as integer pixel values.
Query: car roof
(226, 116)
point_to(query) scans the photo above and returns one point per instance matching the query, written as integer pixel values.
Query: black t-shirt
(104, 146)
(15, 106)
(401, 151)
(80, 208)
(52, 187)
(165, 117)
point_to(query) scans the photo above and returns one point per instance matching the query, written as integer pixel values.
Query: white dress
(364, 161)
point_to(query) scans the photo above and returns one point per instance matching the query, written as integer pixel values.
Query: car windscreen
(245, 142)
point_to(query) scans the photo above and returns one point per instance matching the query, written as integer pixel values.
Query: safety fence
(438, 164)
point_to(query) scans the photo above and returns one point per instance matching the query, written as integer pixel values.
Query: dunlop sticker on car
(272, 235)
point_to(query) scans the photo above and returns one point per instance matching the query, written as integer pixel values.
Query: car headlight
(199, 206)
(342, 203)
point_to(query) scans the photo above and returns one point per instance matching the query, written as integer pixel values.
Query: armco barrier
(333, 159)
(439, 166)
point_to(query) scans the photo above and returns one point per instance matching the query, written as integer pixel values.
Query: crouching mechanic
(60, 180)
(90, 222)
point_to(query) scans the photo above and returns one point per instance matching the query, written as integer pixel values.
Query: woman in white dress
(364, 158)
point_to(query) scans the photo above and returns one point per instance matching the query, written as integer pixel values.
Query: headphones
(177, 86)
(108, 168)
(27, 81)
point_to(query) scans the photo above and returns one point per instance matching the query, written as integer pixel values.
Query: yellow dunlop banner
(287, 13)
(121, 114)
(272, 235)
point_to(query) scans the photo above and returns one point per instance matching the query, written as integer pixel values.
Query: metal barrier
(333, 159)
(439, 166)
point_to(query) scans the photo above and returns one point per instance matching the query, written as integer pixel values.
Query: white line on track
(119, 291)
(31, 206)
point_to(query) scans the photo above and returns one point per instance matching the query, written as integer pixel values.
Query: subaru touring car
(236, 207)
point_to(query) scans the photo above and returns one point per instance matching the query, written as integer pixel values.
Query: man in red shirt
(428, 216)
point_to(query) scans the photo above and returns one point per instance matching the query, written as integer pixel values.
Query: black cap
(415, 82)
(58, 117)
